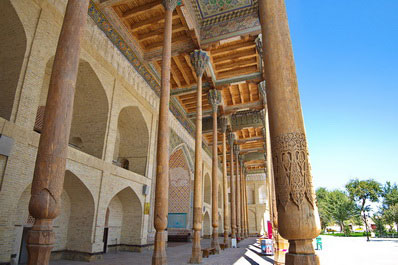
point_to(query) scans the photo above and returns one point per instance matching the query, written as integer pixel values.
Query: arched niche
(207, 189)
(124, 219)
(132, 140)
(179, 184)
(220, 224)
(90, 110)
(206, 225)
(12, 52)
(73, 226)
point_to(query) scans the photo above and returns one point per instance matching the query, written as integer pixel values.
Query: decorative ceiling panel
(213, 8)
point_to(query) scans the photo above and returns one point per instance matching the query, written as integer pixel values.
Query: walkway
(356, 250)
(179, 253)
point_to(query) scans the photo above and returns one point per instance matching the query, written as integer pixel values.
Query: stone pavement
(179, 253)
(356, 250)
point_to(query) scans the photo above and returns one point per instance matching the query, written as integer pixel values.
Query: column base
(159, 253)
(226, 240)
(214, 242)
(301, 252)
(196, 257)
(301, 259)
(40, 242)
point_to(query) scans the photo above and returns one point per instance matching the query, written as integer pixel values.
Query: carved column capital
(199, 60)
(241, 159)
(223, 124)
(259, 45)
(214, 98)
(261, 87)
(170, 4)
(231, 139)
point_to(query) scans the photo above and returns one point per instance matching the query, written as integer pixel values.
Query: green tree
(340, 208)
(321, 197)
(362, 192)
(390, 194)
(391, 215)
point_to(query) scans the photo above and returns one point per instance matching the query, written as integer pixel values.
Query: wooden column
(49, 173)
(243, 195)
(247, 207)
(223, 122)
(298, 219)
(242, 207)
(237, 185)
(162, 156)
(199, 60)
(214, 100)
(231, 139)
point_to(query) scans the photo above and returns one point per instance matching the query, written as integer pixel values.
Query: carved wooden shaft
(215, 100)
(247, 209)
(237, 188)
(231, 139)
(298, 219)
(225, 180)
(162, 157)
(242, 184)
(242, 207)
(199, 60)
(48, 178)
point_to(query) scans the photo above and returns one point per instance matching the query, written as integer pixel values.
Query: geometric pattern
(179, 183)
(211, 8)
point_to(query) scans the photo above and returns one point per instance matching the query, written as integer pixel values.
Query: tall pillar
(162, 156)
(238, 220)
(49, 173)
(279, 242)
(242, 207)
(231, 139)
(246, 207)
(223, 122)
(199, 60)
(298, 219)
(243, 192)
(215, 100)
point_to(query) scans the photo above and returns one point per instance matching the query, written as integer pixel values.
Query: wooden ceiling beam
(150, 21)
(159, 32)
(182, 70)
(241, 94)
(234, 47)
(234, 63)
(158, 44)
(175, 76)
(238, 71)
(235, 55)
(188, 61)
(140, 9)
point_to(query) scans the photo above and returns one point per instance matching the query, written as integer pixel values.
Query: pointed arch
(206, 226)
(13, 48)
(125, 218)
(132, 140)
(90, 110)
(207, 189)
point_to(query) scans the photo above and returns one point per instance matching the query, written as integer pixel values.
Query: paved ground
(336, 251)
(179, 253)
(356, 250)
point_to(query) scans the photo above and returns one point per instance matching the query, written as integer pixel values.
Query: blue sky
(346, 54)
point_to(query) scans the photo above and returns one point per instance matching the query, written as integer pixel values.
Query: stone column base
(159, 256)
(301, 259)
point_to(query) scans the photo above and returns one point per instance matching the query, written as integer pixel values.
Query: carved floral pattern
(293, 178)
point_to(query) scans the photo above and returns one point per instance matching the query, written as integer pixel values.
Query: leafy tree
(362, 192)
(390, 194)
(321, 196)
(391, 214)
(379, 222)
(340, 208)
